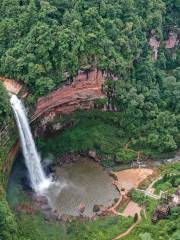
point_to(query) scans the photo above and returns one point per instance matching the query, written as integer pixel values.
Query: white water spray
(39, 181)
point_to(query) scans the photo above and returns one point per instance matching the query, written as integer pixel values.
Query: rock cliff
(80, 94)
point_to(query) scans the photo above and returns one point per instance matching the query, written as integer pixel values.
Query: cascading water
(39, 181)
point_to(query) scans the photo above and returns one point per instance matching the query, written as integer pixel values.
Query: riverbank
(104, 155)
(77, 177)
(109, 226)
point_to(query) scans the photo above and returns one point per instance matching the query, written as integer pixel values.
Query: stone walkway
(150, 190)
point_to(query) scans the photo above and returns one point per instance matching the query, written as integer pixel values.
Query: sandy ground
(127, 180)
(131, 178)
(131, 209)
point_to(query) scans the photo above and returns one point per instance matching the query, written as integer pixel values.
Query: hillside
(130, 111)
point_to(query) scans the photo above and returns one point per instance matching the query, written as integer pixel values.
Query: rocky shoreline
(73, 158)
(124, 182)
(41, 202)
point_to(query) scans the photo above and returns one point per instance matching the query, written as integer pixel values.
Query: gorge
(93, 151)
(45, 186)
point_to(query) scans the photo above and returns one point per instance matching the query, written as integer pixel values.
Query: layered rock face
(11, 85)
(9, 144)
(80, 94)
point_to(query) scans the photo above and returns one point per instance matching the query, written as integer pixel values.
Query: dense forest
(44, 42)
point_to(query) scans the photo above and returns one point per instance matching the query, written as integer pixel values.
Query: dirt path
(113, 208)
(131, 209)
(149, 190)
(127, 180)
(129, 229)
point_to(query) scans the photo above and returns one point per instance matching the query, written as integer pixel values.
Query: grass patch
(90, 131)
(35, 227)
(101, 229)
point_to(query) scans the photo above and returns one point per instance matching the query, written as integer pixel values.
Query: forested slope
(44, 42)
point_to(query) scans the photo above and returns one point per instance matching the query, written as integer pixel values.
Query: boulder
(81, 208)
(26, 184)
(113, 175)
(57, 126)
(51, 168)
(92, 154)
(41, 200)
(96, 208)
(161, 212)
(45, 207)
(99, 213)
(65, 218)
(99, 208)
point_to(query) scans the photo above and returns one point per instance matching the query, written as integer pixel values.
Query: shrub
(124, 155)
(8, 225)
(138, 197)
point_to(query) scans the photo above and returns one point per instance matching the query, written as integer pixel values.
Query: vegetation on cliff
(8, 224)
(42, 43)
(4, 104)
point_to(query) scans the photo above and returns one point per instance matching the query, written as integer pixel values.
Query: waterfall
(39, 181)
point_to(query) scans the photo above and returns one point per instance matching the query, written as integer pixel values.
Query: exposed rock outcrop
(92, 154)
(155, 43)
(96, 208)
(100, 210)
(175, 199)
(81, 208)
(11, 85)
(172, 40)
(80, 94)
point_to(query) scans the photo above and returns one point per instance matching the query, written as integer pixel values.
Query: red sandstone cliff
(170, 43)
(80, 94)
(11, 85)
